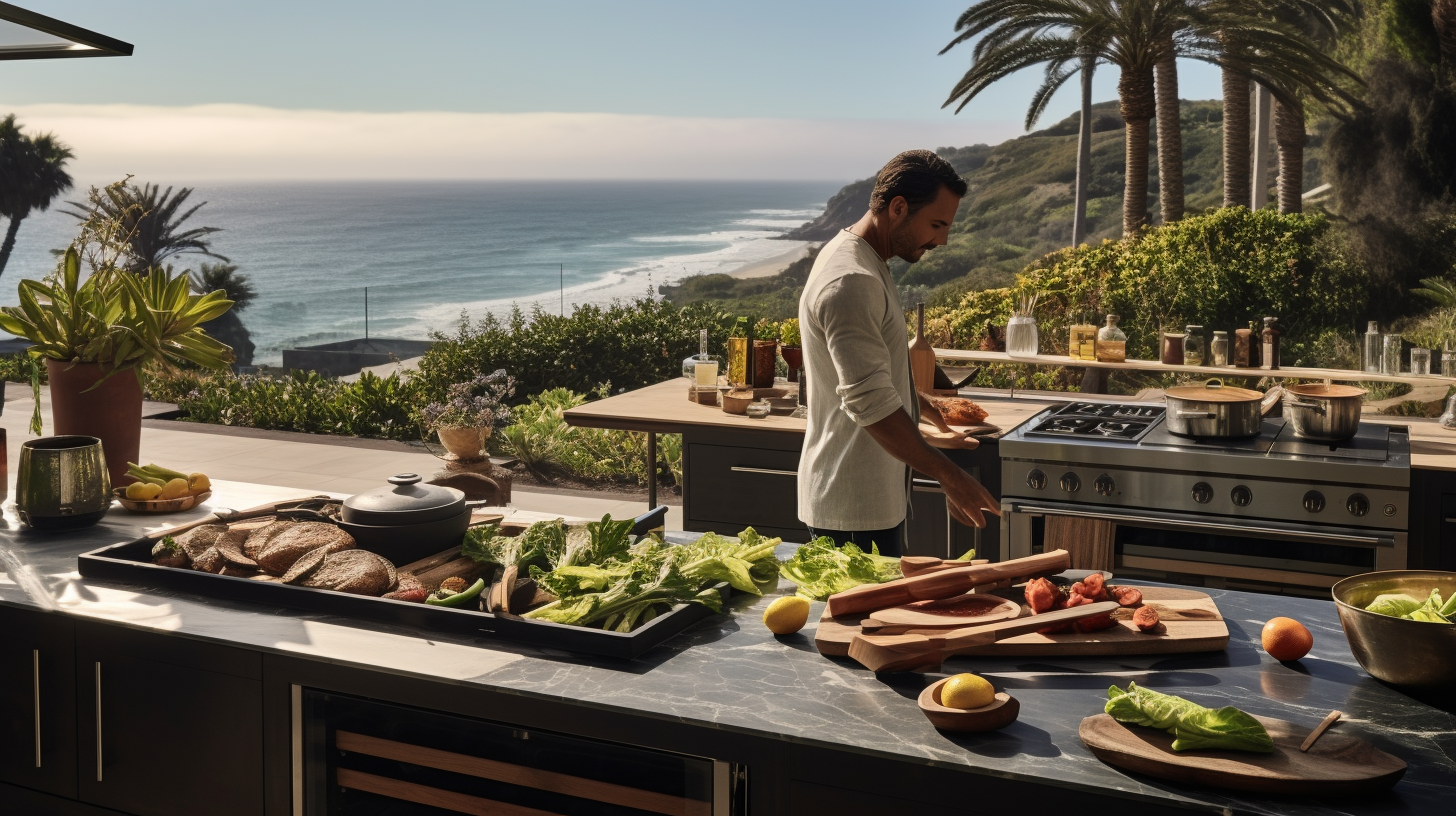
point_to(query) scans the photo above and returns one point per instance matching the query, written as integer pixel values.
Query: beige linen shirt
(857, 363)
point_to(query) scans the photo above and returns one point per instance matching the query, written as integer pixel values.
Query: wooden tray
(176, 505)
(1192, 621)
(1337, 764)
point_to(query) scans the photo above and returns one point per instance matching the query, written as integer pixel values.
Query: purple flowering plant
(479, 403)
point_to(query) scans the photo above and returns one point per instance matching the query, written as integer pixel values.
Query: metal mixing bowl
(1401, 652)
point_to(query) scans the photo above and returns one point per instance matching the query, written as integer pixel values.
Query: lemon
(137, 491)
(198, 483)
(786, 615)
(967, 691)
(175, 489)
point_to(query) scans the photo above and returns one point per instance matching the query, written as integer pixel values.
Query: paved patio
(325, 463)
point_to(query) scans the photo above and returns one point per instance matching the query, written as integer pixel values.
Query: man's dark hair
(917, 175)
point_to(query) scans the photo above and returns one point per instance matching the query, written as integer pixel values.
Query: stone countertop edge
(714, 676)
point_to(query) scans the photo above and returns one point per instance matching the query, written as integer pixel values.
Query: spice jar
(1243, 347)
(1219, 348)
(1081, 340)
(1193, 346)
(1269, 355)
(1111, 342)
(1172, 350)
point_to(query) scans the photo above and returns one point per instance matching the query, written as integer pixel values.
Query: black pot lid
(405, 501)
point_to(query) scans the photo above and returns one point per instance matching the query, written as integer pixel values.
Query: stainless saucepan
(1215, 411)
(1324, 413)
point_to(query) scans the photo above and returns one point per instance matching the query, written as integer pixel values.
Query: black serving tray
(131, 563)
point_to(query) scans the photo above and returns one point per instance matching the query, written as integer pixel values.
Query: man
(862, 435)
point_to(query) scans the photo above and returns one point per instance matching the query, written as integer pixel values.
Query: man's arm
(965, 496)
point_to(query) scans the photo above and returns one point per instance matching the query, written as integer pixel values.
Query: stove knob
(1314, 501)
(1104, 485)
(1241, 496)
(1070, 482)
(1389, 509)
(1202, 493)
(1036, 480)
(1358, 505)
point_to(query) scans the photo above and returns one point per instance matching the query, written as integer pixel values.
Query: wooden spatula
(913, 565)
(891, 653)
(922, 356)
(945, 583)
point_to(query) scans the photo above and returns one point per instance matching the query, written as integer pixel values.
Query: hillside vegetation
(1018, 209)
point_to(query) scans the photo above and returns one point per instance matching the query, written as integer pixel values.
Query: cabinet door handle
(98, 721)
(765, 471)
(35, 678)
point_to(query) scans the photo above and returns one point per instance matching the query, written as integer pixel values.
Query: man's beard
(903, 245)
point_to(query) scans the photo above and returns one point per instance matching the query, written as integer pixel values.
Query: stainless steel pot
(1214, 411)
(1324, 413)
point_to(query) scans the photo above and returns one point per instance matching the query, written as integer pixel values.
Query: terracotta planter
(464, 444)
(111, 412)
(794, 358)
(764, 354)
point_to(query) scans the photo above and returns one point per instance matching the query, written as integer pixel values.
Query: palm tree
(148, 217)
(32, 175)
(1004, 22)
(224, 276)
(1270, 42)
(1170, 135)
(1131, 34)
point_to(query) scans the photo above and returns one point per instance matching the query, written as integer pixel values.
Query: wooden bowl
(998, 714)
(736, 402)
(176, 505)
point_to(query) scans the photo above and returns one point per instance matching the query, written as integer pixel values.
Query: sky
(794, 89)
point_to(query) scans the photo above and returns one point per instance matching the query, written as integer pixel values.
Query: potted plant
(789, 347)
(113, 323)
(470, 411)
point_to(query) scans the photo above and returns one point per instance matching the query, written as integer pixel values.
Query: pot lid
(405, 501)
(1323, 390)
(1214, 391)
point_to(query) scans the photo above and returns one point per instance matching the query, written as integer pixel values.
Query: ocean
(428, 251)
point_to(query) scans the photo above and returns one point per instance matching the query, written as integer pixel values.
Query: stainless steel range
(1269, 513)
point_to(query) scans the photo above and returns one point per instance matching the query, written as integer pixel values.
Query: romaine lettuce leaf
(821, 569)
(1395, 605)
(1194, 727)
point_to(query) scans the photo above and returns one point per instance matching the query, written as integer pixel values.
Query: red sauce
(963, 607)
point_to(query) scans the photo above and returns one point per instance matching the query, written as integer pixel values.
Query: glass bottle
(1372, 348)
(1390, 359)
(1111, 342)
(690, 363)
(1193, 345)
(1219, 349)
(1244, 347)
(1256, 345)
(1269, 354)
(738, 353)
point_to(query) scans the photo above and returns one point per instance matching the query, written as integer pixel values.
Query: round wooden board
(160, 505)
(1338, 763)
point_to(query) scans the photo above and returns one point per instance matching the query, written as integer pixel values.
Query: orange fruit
(1286, 639)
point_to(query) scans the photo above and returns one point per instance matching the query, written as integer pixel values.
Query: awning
(27, 35)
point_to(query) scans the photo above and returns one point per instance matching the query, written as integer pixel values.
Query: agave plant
(117, 320)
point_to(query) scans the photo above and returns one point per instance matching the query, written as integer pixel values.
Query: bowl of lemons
(967, 702)
(162, 490)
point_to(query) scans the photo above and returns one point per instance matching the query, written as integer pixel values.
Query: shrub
(548, 447)
(1221, 270)
(627, 345)
(302, 401)
(16, 368)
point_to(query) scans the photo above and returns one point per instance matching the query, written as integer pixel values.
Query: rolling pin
(891, 653)
(945, 583)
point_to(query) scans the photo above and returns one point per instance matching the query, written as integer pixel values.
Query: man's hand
(967, 499)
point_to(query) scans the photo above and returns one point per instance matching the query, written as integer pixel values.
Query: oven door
(1184, 548)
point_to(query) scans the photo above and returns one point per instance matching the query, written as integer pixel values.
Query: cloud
(229, 142)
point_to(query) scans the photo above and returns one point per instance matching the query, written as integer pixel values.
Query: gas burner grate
(1120, 430)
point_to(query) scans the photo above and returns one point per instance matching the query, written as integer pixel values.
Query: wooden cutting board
(1336, 764)
(1190, 618)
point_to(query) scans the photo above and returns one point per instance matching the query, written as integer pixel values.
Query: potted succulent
(470, 411)
(95, 337)
(789, 347)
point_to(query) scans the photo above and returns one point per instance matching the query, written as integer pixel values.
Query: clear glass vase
(1022, 339)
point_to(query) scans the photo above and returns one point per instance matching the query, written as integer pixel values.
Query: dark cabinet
(37, 701)
(737, 479)
(168, 726)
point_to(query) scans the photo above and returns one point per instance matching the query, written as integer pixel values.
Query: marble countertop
(728, 672)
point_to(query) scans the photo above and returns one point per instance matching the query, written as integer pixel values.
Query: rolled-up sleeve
(852, 311)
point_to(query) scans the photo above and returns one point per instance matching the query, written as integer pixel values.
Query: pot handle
(1195, 414)
(1313, 406)
(1213, 382)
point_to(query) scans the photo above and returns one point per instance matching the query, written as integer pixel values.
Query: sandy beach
(772, 266)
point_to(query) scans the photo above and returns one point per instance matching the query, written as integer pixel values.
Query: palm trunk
(1170, 137)
(1084, 156)
(1443, 17)
(1289, 133)
(1235, 138)
(1137, 104)
(9, 243)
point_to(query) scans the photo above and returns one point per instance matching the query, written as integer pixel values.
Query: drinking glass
(1448, 358)
(1420, 361)
(1390, 359)
(1022, 339)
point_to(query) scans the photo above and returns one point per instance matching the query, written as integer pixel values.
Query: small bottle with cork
(1111, 342)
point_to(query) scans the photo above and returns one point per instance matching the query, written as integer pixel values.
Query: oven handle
(1176, 524)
